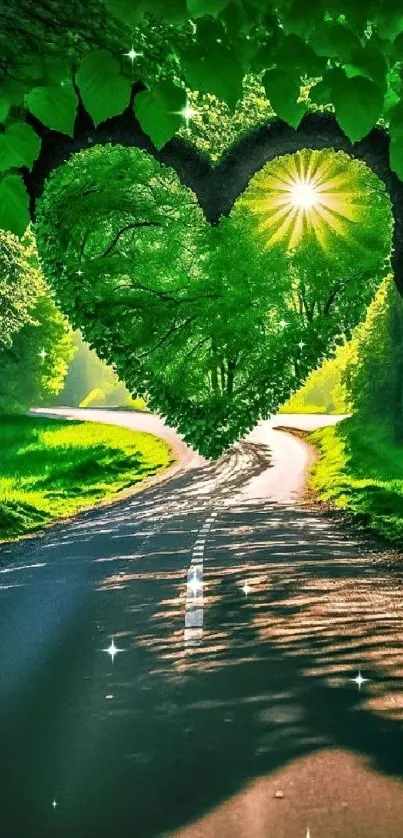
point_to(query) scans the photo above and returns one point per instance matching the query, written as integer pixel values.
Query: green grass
(360, 469)
(51, 469)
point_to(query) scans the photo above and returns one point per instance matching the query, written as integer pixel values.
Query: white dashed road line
(194, 589)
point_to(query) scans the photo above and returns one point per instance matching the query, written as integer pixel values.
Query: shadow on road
(156, 739)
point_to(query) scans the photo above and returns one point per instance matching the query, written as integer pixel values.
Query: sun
(304, 195)
(309, 194)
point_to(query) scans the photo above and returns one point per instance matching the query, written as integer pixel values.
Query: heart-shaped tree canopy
(215, 325)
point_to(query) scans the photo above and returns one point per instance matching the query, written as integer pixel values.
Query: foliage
(20, 285)
(59, 56)
(28, 377)
(113, 397)
(322, 390)
(318, 392)
(213, 127)
(50, 468)
(372, 378)
(365, 376)
(360, 470)
(30, 324)
(159, 111)
(361, 464)
(212, 327)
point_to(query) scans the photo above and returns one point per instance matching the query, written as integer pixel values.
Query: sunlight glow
(304, 195)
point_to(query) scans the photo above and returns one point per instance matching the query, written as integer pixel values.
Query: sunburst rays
(305, 195)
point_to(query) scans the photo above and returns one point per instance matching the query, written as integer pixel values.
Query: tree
(30, 324)
(34, 367)
(320, 392)
(212, 326)
(372, 378)
(20, 285)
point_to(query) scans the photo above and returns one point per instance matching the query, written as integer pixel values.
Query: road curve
(233, 707)
(283, 459)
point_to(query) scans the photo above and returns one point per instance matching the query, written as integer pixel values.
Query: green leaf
(32, 68)
(158, 111)
(358, 104)
(295, 52)
(5, 106)
(220, 73)
(104, 91)
(238, 19)
(14, 205)
(55, 106)
(333, 40)
(370, 62)
(19, 146)
(395, 117)
(397, 48)
(210, 31)
(14, 92)
(389, 19)
(396, 154)
(300, 19)
(199, 8)
(283, 91)
(56, 70)
(392, 98)
(321, 93)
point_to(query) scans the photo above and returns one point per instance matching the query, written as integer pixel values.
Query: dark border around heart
(218, 187)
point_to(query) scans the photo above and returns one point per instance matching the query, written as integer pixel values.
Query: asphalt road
(231, 711)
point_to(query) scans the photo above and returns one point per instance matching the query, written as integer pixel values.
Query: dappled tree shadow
(188, 728)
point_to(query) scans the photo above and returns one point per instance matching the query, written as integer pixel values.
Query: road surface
(235, 706)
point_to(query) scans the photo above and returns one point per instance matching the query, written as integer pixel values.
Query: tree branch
(174, 328)
(133, 226)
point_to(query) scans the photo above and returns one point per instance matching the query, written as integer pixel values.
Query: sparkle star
(79, 272)
(42, 354)
(282, 324)
(187, 113)
(112, 650)
(132, 54)
(246, 589)
(301, 345)
(54, 804)
(359, 680)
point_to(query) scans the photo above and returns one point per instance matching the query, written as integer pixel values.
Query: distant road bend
(207, 658)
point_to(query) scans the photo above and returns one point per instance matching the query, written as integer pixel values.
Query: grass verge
(50, 468)
(360, 470)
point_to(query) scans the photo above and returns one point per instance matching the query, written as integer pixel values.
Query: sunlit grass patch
(360, 469)
(50, 468)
